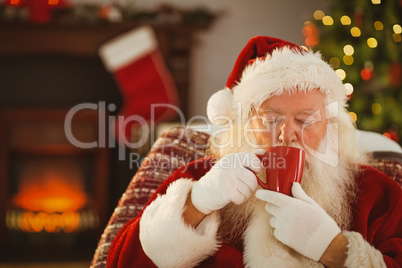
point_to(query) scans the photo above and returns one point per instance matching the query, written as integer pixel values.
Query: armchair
(174, 148)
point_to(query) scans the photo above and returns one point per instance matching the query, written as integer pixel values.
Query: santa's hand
(231, 179)
(300, 222)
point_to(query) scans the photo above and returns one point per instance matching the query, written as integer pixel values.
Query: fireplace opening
(54, 201)
(51, 195)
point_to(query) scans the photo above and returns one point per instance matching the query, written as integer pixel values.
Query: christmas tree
(361, 39)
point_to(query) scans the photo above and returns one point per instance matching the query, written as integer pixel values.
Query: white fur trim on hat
(285, 70)
(219, 107)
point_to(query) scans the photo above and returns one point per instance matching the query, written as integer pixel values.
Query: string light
(353, 116)
(334, 62)
(348, 50)
(341, 74)
(372, 42)
(355, 32)
(397, 37)
(365, 74)
(348, 88)
(327, 20)
(388, 135)
(378, 25)
(319, 14)
(348, 59)
(345, 20)
(397, 29)
(369, 65)
(376, 2)
(376, 108)
(310, 32)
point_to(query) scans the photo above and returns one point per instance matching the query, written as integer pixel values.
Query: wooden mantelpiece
(77, 40)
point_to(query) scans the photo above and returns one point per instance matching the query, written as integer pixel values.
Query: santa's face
(291, 118)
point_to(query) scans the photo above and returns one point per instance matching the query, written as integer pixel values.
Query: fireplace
(49, 194)
(56, 198)
(54, 194)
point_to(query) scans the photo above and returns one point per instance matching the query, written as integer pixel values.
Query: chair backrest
(389, 163)
(172, 149)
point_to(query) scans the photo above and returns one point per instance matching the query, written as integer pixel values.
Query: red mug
(283, 165)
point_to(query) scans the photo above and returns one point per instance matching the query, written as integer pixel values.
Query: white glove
(231, 179)
(300, 222)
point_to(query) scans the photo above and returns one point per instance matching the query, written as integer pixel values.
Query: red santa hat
(270, 66)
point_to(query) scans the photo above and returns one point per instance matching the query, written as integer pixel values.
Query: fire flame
(36, 222)
(51, 186)
(51, 223)
(51, 197)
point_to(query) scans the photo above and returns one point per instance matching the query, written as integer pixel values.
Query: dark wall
(55, 81)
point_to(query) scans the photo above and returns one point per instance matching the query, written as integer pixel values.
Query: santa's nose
(288, 132)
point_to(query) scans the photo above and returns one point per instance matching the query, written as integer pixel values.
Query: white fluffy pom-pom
(219, 107)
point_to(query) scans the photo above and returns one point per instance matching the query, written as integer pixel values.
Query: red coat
(377, 217)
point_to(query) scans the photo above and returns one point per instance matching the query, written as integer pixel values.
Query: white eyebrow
(308, 112)
(268, 110)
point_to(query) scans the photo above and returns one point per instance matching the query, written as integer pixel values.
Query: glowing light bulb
(348, 59)
(369, 65)
(397, 29)
(355, 32)
(376, 2)
(334, 62)
(327, 20)
(318, 14)
(376, 108)
(397, 37)
(348, 88)
(353, 116)
(348, 50)
(341, 74)
(378, 25)
(305, 48)
(345, 20)
(372, 42)
(365, 74)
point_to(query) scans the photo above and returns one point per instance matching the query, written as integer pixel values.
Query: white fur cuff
(167, 240)
(361, 253)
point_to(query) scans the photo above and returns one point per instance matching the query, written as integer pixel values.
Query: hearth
(54, 194)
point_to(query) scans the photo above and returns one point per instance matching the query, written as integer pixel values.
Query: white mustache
(292, 144)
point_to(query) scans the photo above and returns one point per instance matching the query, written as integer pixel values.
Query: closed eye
(271, 121)
(306, 122)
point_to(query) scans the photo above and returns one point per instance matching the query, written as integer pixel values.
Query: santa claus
(213, 213)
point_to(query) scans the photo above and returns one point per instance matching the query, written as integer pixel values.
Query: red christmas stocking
(143, 78)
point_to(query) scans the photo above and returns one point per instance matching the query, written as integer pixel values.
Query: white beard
(331, 187)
